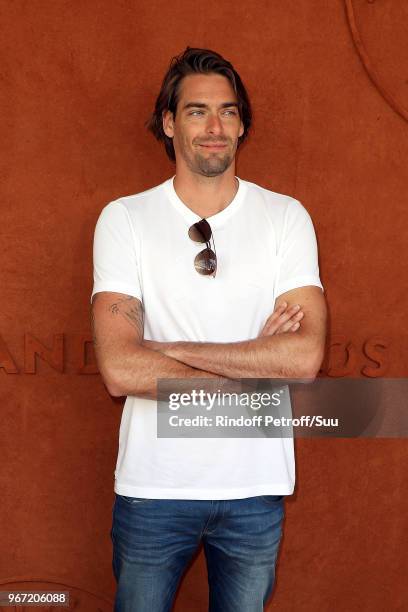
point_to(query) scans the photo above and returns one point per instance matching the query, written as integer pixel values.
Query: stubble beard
(213, 164)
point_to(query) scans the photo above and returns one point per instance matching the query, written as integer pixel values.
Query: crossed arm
(297, 355)
(286, 348)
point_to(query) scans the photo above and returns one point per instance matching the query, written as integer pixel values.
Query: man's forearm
(277, 356)
(138, 370)
(127, 367)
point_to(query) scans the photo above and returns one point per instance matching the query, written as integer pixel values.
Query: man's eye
(230, 112)
(196, 112)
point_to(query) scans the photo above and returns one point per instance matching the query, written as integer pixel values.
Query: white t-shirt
(265, 245)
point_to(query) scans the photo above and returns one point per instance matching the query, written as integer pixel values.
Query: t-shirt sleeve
(115, 265)
(298, 251)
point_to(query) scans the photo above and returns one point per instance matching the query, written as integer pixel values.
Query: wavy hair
(195, 61)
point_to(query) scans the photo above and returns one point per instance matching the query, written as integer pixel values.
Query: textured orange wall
(328, 85)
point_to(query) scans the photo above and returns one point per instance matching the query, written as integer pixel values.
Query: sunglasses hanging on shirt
(206, 260)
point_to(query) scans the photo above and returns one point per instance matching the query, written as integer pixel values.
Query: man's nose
(214, 125)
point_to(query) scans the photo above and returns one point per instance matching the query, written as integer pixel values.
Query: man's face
(207, 126)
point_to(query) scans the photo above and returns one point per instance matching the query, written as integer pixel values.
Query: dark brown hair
(191, 61)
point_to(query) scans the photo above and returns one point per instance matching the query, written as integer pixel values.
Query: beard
(211, 164)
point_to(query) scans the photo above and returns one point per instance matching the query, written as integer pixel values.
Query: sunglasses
(206, 260)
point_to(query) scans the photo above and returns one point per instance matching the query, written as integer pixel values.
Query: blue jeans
(155, 539)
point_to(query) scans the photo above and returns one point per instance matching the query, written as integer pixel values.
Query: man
(164, 307)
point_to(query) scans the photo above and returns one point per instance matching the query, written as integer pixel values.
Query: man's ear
(241, 130)
(168, 123)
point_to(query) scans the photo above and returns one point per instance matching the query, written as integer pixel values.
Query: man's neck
(206, 196)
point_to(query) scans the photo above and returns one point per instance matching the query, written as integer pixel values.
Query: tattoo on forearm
(131, 309)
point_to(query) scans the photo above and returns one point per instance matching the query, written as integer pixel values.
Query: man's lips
(213, 145)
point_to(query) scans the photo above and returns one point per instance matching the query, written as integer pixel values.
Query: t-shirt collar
(217, 220)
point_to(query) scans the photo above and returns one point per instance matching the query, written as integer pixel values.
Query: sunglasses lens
(206, 262)
(200, 232)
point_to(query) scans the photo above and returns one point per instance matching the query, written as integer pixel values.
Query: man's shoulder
(136, 205)
(274, 200)
(142, 196)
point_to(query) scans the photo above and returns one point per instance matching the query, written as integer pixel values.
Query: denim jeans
(155, 539)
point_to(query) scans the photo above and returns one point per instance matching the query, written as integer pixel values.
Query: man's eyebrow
(202, 105)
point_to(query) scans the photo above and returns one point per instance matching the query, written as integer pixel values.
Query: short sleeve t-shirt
(265, 245)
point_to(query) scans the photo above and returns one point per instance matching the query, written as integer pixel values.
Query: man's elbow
(115, 379)
(116, 373)
(305, 366)
(112, 382)
(120, 384)
(114, 390)
(310, 365)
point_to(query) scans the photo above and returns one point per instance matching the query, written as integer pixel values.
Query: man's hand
(283, 319)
